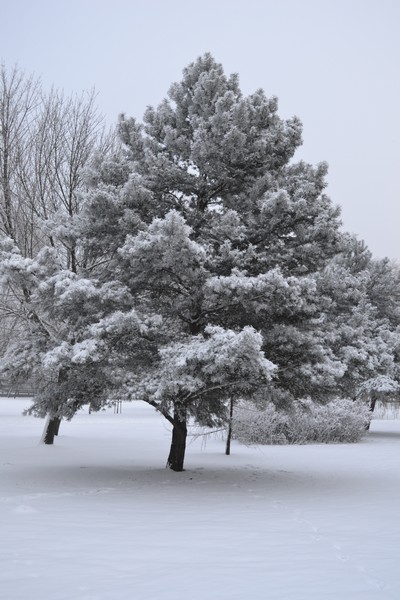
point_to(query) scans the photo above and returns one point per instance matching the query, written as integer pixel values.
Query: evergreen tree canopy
(223, 230)
(212, 268)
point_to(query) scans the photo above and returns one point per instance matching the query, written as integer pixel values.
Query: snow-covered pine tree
(215, 227)
(383, 291)
(46, 142)
(212, 268)
(360, 321)
(68, 324)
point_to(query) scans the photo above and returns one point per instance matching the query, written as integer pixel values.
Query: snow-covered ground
(97, 517)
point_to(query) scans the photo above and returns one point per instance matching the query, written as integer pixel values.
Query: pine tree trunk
(57, 425)
(51, 429)
(229, 432)
(178, 444)
(52, 426)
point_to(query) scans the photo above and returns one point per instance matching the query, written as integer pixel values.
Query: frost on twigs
(205, 370)
(382, 385)
(340, 420)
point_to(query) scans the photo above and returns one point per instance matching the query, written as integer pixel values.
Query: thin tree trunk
(229, 432)
(51, 428)
(9, 223)
(372, 404)
(178, 444)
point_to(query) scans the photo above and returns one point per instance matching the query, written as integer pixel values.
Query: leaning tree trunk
(178, 444)
(52, 425)
(51, 428)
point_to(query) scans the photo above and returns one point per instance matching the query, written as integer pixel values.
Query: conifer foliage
(208, 272)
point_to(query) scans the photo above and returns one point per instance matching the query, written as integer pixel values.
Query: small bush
(338, 421)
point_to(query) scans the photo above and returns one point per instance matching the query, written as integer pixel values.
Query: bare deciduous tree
(46, 142)
(19, 106)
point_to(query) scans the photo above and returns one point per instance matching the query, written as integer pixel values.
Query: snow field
(98, 517)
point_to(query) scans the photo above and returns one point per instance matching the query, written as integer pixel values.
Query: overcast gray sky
(333, 63)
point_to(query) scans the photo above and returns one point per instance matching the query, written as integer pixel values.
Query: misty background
(333, 63)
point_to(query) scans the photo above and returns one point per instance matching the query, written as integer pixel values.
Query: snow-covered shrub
(254, 426)
(338, 421)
